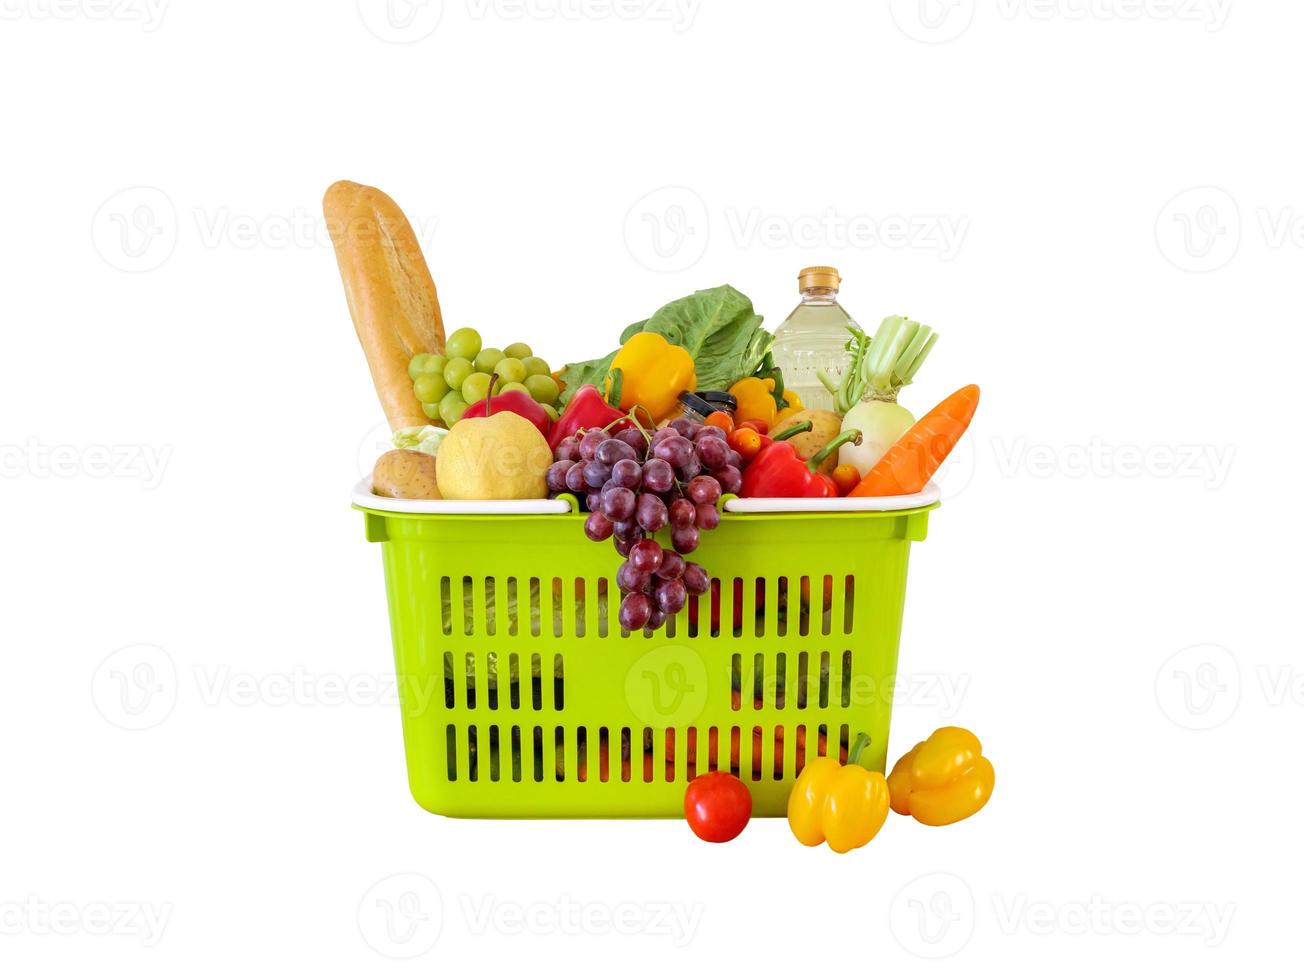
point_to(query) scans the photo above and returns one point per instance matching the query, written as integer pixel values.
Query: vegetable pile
(651, 438)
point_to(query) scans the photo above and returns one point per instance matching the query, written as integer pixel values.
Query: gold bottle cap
(818, 277)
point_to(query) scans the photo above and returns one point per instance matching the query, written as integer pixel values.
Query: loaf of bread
(391, 295)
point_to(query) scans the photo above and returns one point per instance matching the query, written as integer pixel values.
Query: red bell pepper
(512, 401)
(778, 472)
(587, 409)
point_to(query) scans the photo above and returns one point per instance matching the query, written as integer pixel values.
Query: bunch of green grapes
(447, 383)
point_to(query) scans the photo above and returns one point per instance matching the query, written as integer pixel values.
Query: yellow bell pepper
(794, 406)
(755, 401)
(650, 371)
(943, 779)
(844, 805)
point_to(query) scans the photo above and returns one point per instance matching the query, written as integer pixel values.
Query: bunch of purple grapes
(633, 487)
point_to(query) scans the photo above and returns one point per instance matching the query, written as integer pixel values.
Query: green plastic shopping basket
(522, 697)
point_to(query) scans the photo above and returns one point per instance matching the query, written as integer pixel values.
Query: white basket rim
(364, 498)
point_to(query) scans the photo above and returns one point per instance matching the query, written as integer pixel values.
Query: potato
(405, 473)
(824, 427)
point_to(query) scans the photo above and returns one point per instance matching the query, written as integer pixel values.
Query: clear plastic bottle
(814, 336)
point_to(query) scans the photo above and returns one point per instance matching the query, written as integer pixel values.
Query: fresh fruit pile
(447, 383)
(635, 484)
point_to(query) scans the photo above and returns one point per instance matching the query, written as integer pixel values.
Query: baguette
(391, 296)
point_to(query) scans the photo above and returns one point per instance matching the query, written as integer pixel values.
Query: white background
(1108, 593)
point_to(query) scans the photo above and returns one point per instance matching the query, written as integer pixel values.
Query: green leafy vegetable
(422, 438)
(718, 327)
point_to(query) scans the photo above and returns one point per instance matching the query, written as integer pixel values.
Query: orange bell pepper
(943, 779)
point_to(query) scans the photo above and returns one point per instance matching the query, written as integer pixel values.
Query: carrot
(911, 462)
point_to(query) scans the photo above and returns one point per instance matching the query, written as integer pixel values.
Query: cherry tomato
(746, 441)
(722, 419)
(845, 478)
(717, 806)
(756, 425)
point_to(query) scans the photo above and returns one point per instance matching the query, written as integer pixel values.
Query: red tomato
(717, 806)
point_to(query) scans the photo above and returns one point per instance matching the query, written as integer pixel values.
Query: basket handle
(377, 529)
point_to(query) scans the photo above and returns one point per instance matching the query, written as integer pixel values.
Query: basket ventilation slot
(768, 681)
(777, 607)
(498, 681)
(502, 753)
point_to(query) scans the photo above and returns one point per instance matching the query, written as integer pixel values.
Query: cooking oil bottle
(814, 337)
